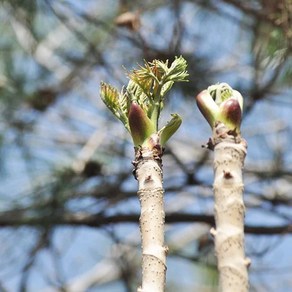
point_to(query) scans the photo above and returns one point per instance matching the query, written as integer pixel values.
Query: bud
(140, 125)
(207, 107)
(220, 103)
(230, 114)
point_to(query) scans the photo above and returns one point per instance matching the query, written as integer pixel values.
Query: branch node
(209, 145)
(227, 174)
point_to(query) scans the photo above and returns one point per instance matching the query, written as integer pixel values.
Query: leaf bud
(140, 125)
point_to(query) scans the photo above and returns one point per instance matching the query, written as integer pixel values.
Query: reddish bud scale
(203, 103)
(140, 125)
(230, 113)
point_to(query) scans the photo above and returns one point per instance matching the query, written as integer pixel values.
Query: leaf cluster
(147, 88)
(149, 84)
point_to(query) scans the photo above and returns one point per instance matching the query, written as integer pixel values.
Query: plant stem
(229, 154)
(148, 171)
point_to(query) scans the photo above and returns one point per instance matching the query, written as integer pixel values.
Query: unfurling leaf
(177, 70)
(166, 87)
(110, 97)
(116, 102)
(138, 94)
(140, 125)
(171, 127)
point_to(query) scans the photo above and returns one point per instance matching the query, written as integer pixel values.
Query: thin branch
(99, 220)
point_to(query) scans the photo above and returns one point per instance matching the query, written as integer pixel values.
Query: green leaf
(138, 94)
(220, 92)
(170, 128)
(124, 104)
(177, 71)
(116, 102)
(166, 87)
(110, 97)
(160, 69)
(142, 79)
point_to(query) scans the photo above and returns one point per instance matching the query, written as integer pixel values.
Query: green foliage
(151, 83)
(116, 102)
(147, 88)
(220, 92)
(177, 70)
(170, 128)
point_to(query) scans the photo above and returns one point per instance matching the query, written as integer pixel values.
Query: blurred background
(68, 205)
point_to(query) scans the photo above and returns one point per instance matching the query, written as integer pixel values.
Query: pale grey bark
(229, 154)
(148, 171)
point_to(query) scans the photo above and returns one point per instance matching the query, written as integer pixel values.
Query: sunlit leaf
(110, 97)
(171, 127)
(166, 87)
(115, 102)
(177, 70)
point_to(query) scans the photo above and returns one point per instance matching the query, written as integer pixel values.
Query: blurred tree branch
(100, 220)
(57, 144)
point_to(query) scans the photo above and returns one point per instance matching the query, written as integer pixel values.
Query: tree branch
(99, 220)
